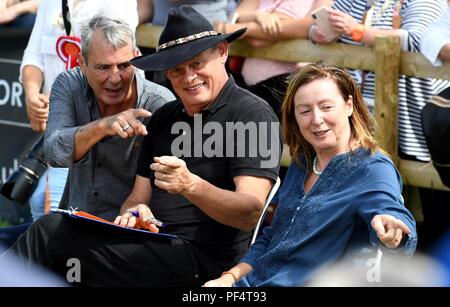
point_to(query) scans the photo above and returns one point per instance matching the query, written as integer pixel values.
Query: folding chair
(266, 205)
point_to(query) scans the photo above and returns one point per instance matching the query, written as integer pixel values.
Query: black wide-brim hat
(186, 34)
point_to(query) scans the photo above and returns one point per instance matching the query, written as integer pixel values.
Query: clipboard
(82, 215)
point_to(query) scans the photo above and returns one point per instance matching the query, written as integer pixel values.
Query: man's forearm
(236, 209)
(86, 137)
(444, 54)
(141, 194)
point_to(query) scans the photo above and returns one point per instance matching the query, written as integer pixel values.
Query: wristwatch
(358, 32)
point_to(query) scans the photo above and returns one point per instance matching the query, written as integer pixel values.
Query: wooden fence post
(387, 67)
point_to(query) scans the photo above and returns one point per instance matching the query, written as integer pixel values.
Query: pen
(151, 219)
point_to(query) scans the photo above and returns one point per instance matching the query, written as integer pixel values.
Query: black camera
(21, 184)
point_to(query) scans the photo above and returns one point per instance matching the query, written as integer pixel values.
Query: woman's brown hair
(361, 124)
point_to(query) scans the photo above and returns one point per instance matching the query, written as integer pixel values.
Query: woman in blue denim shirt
(341, 192)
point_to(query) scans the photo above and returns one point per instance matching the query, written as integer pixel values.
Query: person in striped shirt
(358, 22)
(435, 45)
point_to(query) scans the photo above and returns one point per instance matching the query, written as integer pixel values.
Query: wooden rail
(386, 60)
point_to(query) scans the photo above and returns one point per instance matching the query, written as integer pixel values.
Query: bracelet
(358, 32)
(231, 273)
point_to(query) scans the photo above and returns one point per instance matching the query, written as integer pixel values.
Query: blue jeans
(57, 178)
(9, 235)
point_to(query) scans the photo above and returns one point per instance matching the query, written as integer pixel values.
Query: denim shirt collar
(339, 165)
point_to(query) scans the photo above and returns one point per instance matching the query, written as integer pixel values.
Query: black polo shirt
(214, 156)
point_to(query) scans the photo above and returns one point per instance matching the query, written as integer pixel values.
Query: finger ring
(126, 128)
(164, 177)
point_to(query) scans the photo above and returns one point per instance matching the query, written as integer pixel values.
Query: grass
(4, 223)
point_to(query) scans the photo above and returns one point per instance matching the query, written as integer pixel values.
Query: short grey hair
(117, 33)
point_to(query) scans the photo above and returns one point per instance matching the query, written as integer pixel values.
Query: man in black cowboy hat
(198, 173)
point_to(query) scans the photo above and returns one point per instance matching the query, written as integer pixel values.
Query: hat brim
(173, 56)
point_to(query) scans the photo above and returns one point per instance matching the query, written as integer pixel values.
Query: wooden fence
(388, 62)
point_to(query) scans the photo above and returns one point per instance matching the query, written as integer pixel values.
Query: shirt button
(95, 194)
(99, 165)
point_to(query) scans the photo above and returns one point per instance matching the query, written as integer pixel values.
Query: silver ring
(126, 128)
(164, 177)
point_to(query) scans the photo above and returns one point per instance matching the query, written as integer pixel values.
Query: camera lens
(20, 185)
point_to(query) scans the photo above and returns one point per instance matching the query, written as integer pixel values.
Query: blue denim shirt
(314, 228)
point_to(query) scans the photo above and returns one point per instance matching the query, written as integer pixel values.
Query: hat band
(186, 39)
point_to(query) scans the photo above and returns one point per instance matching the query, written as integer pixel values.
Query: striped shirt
(414, 93)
